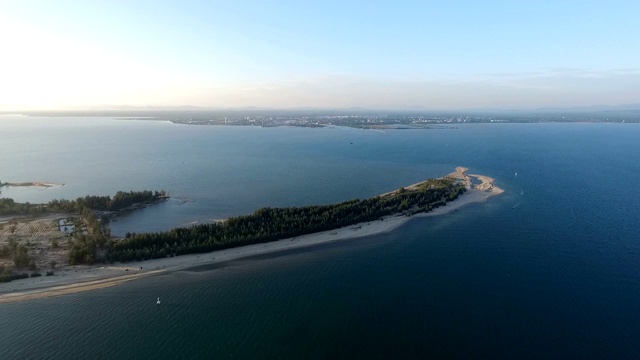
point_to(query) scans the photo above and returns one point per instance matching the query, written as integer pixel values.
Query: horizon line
(619, 107)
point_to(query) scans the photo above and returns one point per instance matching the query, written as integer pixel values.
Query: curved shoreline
(41, 184)
(71, 280)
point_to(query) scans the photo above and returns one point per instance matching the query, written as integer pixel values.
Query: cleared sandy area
(38, 234)
(72, 279)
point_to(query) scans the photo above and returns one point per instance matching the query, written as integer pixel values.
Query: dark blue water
(551, 269)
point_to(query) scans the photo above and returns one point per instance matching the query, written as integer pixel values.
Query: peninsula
(42, 184)
(456, 189)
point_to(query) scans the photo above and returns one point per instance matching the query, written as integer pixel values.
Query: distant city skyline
(330, 54)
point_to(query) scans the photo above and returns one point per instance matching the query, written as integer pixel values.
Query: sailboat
(158, 301)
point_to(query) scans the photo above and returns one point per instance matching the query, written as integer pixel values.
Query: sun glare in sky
(436, 55)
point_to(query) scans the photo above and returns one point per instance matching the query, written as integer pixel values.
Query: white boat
(158, 301)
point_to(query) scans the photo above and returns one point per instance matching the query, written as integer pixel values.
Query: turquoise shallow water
(549, 269)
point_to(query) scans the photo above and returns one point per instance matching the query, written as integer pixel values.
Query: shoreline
(41, 184)
(73, 279)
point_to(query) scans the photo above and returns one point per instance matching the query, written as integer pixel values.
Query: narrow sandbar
(42, 184)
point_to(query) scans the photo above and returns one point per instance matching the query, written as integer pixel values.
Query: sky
(322, 54)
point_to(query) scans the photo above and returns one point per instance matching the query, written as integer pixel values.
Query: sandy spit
(73, 279)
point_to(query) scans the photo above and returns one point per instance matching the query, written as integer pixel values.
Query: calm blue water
(551, 269)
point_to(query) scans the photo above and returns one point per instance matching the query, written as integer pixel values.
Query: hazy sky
(435, 54)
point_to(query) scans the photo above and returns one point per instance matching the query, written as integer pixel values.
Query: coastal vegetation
(271, 224)
(90, 240)
(7, 275)
(88, 236)
(120, 201)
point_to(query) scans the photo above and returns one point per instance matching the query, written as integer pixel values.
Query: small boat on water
(158, 301)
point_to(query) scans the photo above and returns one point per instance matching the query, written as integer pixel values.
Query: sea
(549, 269)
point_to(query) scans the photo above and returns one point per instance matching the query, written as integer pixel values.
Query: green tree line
(271, 224)
(120, 201)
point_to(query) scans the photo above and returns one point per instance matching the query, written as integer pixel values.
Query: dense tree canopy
(264, 225)
(270, 224)
(120, 201)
